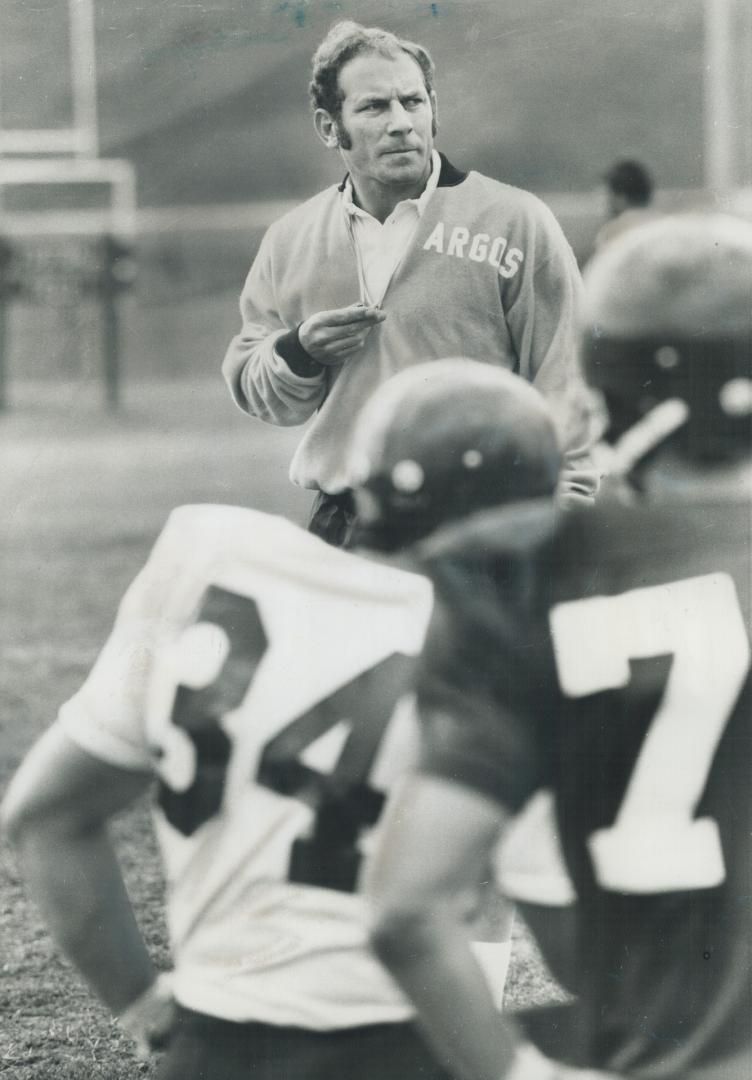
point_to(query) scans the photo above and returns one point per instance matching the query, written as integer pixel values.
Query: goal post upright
(80, 138)
(68, 215)
(84, 74)
(718, 98)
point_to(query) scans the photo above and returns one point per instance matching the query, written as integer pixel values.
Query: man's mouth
(403, 150)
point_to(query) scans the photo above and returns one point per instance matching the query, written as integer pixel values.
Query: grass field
(84, 496)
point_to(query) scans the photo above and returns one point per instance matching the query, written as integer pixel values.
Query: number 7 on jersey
(655, 843)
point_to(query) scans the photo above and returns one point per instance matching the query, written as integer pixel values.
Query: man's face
(387, 116)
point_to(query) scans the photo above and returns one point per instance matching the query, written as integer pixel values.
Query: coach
(407, 260)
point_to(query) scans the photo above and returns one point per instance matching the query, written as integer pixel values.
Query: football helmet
(667, 334)
(444, 439)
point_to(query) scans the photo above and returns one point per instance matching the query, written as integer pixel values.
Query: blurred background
(144, 147)
(182, 128)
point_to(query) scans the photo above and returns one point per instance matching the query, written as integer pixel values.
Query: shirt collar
(419, 203)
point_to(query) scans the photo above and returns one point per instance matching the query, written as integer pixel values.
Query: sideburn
(343, 137)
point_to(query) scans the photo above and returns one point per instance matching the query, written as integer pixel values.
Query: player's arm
(56, 814)
(438, 839)
(441, 830)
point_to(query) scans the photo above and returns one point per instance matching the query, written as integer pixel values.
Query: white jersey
(257, 671)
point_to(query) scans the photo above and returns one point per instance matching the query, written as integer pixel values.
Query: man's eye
(413, 102)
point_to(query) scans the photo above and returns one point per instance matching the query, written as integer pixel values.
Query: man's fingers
(355, 341)
(332, 357)
(332, 330)
(345, 340)
(336, 335)
(333, 339)
(357, 314)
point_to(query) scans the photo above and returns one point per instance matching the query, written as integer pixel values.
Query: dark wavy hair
(345, 41)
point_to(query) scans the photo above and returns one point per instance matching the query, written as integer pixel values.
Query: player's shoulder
(500, 532)
(483, 569)
(206, 531)
(194, 541)
(211, 543)
(222, 523)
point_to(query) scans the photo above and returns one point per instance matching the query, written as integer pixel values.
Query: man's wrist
(299, 361)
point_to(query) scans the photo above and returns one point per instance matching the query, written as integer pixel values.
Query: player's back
(258, 672)
(615, 664)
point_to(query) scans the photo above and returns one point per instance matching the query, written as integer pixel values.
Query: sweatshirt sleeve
(543, 323)
(264, 367)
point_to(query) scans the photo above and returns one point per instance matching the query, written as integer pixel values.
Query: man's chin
(406, 167)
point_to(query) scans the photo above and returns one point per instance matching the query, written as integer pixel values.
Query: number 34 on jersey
(281, 668)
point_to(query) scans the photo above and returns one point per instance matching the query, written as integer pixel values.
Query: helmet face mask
(668, 317)
(442, 440)
(635, 376)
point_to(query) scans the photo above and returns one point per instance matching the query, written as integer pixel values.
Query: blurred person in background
(408, 259)
(268, 786)
(586, 703)
(629, 197)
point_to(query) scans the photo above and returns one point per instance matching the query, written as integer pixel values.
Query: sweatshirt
(488, 275)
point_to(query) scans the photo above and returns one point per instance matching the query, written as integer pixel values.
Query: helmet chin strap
(649, 432)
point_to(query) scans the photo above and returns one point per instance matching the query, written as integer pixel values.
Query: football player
(256, 674)
(586, 708)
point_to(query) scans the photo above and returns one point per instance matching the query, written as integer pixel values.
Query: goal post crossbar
(80, 137)
(115, 173)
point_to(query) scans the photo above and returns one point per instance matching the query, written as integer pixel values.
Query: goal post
(67, 216)
(65, 266)
(78, 137)
(64, 186)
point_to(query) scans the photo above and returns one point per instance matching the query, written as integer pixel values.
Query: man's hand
(330, 337)
(150, 1019)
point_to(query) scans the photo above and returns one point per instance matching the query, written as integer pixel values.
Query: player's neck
(670, 476)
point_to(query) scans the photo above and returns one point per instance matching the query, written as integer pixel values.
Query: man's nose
(399, 118)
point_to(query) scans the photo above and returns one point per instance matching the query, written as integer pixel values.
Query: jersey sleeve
(474, 731)
(106, 716)
(262, 382)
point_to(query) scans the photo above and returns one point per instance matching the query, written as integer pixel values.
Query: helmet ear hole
(408, 476)
(667, 357)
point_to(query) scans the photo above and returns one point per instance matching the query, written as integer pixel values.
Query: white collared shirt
(380, 248)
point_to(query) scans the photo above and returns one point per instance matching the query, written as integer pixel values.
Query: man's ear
(326, 129)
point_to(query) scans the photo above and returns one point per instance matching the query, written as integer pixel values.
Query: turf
(85, 493)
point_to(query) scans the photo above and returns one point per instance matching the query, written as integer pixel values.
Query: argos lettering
(479, 247)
